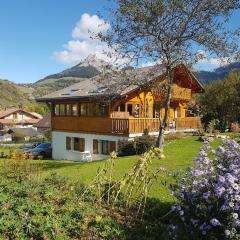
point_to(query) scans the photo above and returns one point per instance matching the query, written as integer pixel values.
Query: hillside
(218, 74)
(88, 68)
(13, 94)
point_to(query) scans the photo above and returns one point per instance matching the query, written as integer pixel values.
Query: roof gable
(8, 111)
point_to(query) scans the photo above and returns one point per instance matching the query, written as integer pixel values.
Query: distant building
(44, 124)
(19, 117)
(12, 119)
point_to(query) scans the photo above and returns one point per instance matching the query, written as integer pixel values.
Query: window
(79, 144)
(122, 107)
(62, 110)
(90, 109)
(105, 147)
(97, 110)
(68, 143)
(56, 110)
(83, 109)
(157, 110)
(104, 111)
(15, 115)
(74, 110)
(76, 144)
(130, 109)
(68, 110)
(108, 147)
(136, 110)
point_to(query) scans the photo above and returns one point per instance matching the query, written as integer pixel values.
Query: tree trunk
(164, 122)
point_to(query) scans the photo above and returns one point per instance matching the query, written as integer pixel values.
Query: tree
(170, 32)
(221, 101)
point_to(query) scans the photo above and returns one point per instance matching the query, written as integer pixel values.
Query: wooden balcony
(118, 126)
(178, 93)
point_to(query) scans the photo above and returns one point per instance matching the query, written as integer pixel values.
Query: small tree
(169, 32)
(221, 101)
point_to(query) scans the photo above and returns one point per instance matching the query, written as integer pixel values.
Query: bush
(209, 194)
(144, 143)
(138, 146)
(126, 148)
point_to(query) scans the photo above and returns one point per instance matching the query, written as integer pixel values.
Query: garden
(132, 197)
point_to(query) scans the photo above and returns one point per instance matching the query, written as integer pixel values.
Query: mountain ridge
(13, 94)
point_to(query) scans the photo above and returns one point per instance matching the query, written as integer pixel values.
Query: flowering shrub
(209, 194)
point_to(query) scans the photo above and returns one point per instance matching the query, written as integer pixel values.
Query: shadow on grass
(154, 224)
(49, 164)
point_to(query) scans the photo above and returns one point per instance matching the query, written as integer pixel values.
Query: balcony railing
(123, 126)
(177, 93)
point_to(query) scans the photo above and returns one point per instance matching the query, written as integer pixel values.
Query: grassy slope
(13, 94)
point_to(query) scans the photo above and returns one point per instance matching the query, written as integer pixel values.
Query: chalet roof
(8, 111)
(45, 122)
(98, 85)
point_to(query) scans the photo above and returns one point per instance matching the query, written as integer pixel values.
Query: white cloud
(214, 62)
(82, 44)
(89, 25)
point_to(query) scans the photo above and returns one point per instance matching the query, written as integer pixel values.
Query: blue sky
(39, 38)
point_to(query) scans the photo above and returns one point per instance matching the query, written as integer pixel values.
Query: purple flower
(197, 173)
(219, 191)
(229, 178)
(215, 222)
(206, 195)
(212, 188)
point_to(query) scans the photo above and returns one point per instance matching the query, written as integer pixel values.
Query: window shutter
(68, 143)
(112, 146)
(82, 144)
(95, 146)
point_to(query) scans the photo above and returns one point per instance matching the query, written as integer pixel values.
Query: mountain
(88, 68)
(218, 74)
(14, 94)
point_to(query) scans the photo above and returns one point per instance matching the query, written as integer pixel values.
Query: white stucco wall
(59, 145)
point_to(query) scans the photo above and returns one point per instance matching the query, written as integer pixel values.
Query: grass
(179, 155)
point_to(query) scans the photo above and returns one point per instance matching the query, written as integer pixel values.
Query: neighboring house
(25, 133)
(82, 122)
(18, 117)
(44, 124)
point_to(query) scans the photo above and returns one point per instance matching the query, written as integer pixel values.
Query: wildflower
(215, 222)
(206, 195)
(235, 215)
(212, 188)
(197, 173)
(227, 233)
(219, 191)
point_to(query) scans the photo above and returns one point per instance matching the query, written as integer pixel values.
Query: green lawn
(179, 155)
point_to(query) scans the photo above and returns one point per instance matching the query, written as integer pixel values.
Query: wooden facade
(117, 126)
(130, 114)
